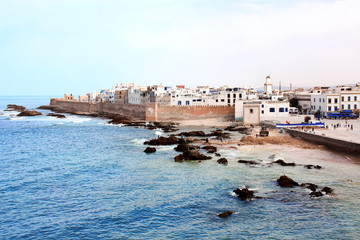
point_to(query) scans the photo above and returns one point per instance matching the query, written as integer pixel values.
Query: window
(342, 106)
(262, 111)
(349, 107)
(323, 99)
(229, 95)
(222, 100)
(187, 102)
(228, 100)
(336, 108)
(329, 109)
(286, 109)
(234, 95)
(329, 100)
(355, 98)
(355, 106)
(281, 110)
(349, 98)
(240, 96)
(342, 98)
(179, 102)
(251, 110)
(314, 99)
(217, 100)
(262, 105)
(272, 109)
(234, 100)
(336, 100)
(319, 107)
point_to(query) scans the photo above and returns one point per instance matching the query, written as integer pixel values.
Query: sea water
(81, 178)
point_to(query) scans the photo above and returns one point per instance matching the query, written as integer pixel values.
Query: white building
(267, 110)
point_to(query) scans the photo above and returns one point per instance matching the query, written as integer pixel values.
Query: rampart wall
(163, 113)
(331, 143)
(148, 112)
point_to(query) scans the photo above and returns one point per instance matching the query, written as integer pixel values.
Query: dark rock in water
(219, 134)
(327, 190)
(210, 149)
(285, 181)
(225, 214)
(56, 115)
(192, 134)
(185, 146)
(150, 150)
(244, 193)
(248, 162)
(310, 186)
(217, 154)
(316, 194)
(312, 166)
(15, 107)
(191, 155)
(179, 158)
(29, 114)
(165, 126)
(163, 141)
(282, 163)
(222, 161)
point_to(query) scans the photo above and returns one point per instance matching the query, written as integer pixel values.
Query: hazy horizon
(56, 47)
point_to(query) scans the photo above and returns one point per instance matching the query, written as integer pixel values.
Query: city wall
(163, 113)
(149, 112)
(331, 143)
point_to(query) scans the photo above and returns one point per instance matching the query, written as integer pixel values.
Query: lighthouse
(268, 88)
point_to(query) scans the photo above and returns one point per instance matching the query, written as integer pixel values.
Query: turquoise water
(79, 178)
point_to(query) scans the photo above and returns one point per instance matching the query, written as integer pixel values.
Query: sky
(49, 47)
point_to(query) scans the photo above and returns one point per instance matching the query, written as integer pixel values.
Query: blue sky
(78, 46)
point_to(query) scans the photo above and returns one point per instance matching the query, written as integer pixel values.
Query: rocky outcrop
(192, 134)
(327, 190)
(285, 181)
(163, 141)
(310, 186)
(150, 150)
(219, 134)
(14, 107)
(210, 149)
(56, 115)
(222, 161)
(316, 194)
(191, 155)
(248, 162)
(29, 114)
(313, 166)
(244, 193)
(225, 214)
(282, 163)
(185, 146)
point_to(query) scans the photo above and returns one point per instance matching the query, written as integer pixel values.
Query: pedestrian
(352, 127)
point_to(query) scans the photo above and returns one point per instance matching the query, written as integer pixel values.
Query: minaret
(268, 86)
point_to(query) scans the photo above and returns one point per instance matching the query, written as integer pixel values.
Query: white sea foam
(138, 141)
(158, 133)
(16, 118)
(165, 148)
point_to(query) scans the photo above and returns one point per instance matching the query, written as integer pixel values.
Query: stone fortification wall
(131, 111)
(148, 112)
(331, 143)
(156, 112)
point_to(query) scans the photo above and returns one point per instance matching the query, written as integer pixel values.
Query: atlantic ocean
(81, 178)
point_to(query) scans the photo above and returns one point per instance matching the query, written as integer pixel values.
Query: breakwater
(337, 145)
(147, 112)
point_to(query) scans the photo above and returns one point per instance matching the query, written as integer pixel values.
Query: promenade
(343, 132)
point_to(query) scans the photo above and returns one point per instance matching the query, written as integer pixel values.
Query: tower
(268, 86)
